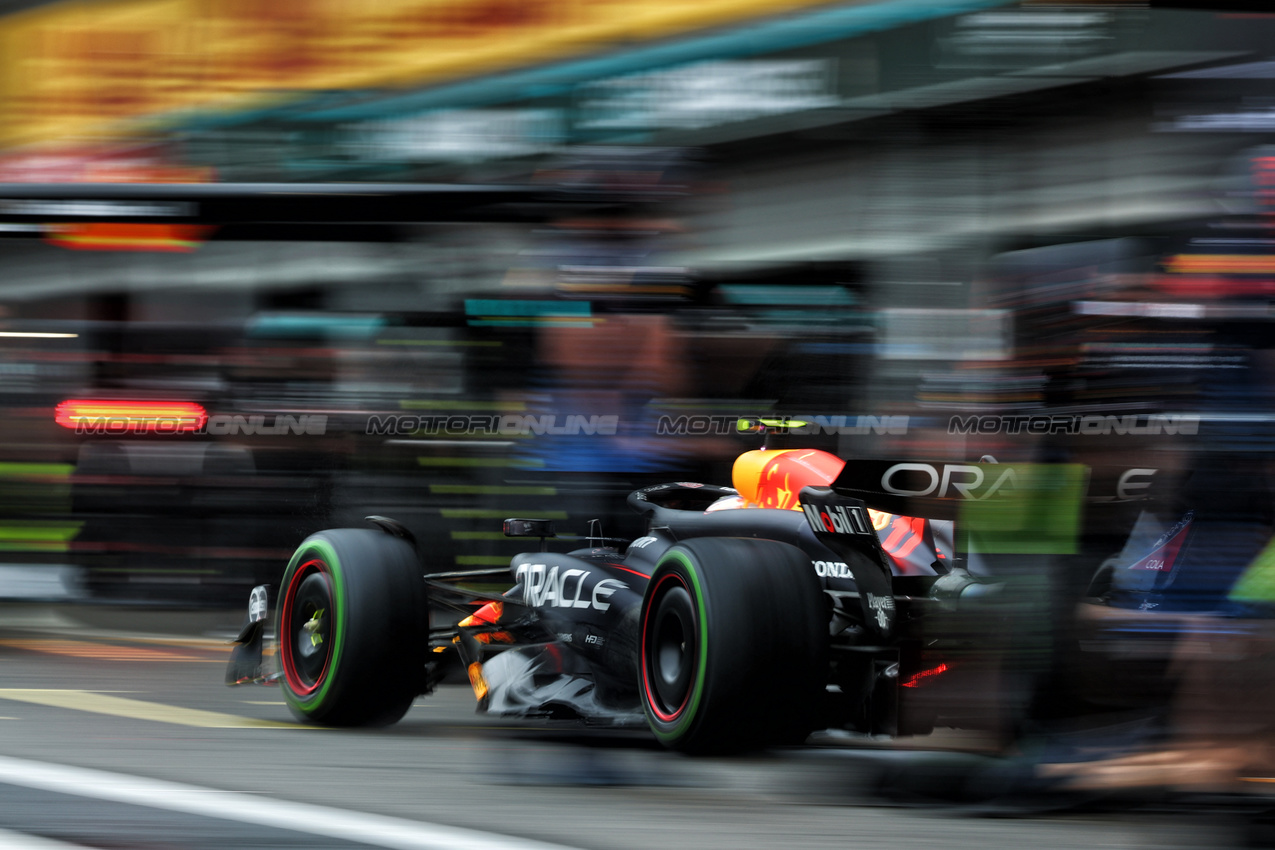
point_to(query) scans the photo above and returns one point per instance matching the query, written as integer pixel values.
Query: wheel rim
(669, 657)
(305, 632)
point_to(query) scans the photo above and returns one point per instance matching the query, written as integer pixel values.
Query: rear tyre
(734, 643)
(353, 628)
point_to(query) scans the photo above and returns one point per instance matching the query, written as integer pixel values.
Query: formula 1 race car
(745, 616)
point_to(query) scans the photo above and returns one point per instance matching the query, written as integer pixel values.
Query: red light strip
(107, 416)
(916, 679)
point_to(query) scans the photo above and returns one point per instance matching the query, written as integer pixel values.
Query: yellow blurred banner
(82, 66)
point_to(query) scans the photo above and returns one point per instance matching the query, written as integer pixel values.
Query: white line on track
(375, 830)
(21, 841)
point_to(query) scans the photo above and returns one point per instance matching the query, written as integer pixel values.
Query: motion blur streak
(137, 709)
(370, 829)
(19, 841)
(274, 266)
(131, 415)
(82, 649)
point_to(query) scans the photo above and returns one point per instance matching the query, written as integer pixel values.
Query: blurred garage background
(872, 215)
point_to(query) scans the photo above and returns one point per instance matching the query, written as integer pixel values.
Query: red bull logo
(773, 478)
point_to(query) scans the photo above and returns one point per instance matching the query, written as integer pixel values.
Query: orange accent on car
(774, 478)
(476, 680)
(484, 616)
(494, 637)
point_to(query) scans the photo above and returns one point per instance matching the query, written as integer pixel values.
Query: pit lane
(147, 707)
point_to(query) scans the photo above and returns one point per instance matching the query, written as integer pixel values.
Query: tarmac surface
(116, 731)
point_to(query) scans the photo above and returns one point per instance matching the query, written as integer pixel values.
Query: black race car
(745, 616)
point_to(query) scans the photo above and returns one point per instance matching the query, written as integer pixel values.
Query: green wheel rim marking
(697, 690)
(328, 555)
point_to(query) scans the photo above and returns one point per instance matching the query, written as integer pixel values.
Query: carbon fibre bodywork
(577, 634)
(572, 636)
(564, 640)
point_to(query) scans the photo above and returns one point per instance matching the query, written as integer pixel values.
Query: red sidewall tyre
(733, 645)
(353, 628)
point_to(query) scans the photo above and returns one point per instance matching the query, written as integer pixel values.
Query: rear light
(923, 676)
(110, 236)
(113, 417)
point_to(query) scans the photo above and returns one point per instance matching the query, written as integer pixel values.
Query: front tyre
(734, 637)
(353, 628)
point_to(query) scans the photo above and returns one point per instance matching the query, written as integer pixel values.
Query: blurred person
(1184, 610)
(614, 367)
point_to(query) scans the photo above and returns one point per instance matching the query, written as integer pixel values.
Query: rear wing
(944, 490)
(1010, 509)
